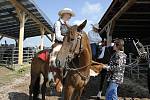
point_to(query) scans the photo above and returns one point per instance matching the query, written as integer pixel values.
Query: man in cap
(95, 39)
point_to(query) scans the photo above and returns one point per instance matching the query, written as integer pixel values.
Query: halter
(76, 50)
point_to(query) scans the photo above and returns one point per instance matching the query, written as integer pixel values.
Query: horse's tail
(148, 79)
(36, 87)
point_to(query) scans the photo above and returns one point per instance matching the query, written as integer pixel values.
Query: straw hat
(96, 26)
(66, 10)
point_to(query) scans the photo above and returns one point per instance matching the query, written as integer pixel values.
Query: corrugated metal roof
(9, 22)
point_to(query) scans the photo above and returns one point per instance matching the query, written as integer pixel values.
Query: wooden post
(42, 37)
(16, 40)
(22, 18)
(109, 30)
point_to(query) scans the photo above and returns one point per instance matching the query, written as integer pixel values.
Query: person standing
(95, 39)
(116, 70)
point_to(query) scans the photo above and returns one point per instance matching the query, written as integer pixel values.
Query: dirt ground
(14, 85)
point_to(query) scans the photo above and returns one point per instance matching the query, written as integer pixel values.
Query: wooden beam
(17, 5)
(130, 25)
(5, 35)
(120, 12)
(143, 2)
(15, 28)
(138, 13)
(21, 37)
(1, 37)
(50, 38)
(109, 31)
(42, 30)
(137, 20)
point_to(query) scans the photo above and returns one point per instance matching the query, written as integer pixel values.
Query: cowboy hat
(66, 10)
(96, 26)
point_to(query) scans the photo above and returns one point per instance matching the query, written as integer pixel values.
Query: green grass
(10, 75)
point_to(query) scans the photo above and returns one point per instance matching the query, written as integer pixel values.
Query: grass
(7, 75)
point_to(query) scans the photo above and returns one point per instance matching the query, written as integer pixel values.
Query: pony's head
(72, 45)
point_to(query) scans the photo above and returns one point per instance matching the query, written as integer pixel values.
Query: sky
(92, 10)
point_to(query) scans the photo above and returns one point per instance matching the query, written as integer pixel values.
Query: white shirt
(102, 53)
(94, 37)
(58, 24)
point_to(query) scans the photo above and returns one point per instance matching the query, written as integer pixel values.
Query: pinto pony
(41, 64)
(76, 59)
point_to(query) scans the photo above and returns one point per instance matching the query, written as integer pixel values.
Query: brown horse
(76, 59)
(41, 65)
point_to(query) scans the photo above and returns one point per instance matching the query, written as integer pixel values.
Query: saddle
(44, 55)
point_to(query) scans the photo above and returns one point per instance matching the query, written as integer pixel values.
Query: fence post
(12, 63)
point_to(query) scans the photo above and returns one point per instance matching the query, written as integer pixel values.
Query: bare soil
(14, 86)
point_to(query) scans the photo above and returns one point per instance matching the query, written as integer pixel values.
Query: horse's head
(72, 45)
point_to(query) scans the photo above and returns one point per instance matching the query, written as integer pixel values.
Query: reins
(73, 64)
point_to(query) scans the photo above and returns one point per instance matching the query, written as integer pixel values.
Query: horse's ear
(81, 26)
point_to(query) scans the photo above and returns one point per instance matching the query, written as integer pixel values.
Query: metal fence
(136, 69)
(9, 55)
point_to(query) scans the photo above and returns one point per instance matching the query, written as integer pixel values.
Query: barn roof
(9, 21)
(131, 19)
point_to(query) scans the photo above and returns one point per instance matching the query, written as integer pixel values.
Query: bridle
(76, 51)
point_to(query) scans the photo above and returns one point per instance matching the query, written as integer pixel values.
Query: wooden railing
(138, 70)
(9, 55)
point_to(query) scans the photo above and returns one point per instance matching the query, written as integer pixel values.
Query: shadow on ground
(18, 96)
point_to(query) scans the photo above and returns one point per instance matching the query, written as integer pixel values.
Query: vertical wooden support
(22, 18)
(42, 37)
(109, 30)
(16, 40)
(109, 38)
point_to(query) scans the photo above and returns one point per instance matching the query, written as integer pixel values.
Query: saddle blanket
(44, 55)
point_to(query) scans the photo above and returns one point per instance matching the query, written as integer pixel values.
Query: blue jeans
(111, 93)
(94, 50)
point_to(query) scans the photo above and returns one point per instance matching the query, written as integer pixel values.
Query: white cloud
(91, 9)
(92, 12)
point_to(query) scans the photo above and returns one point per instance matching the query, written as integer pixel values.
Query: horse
(43, 63)
(133, 46)
(76, 59)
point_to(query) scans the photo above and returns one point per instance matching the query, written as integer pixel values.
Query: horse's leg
(45, 71)
(68, 92)
(32, 82)
(79, 93)
(33, 88)
(43, 88)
